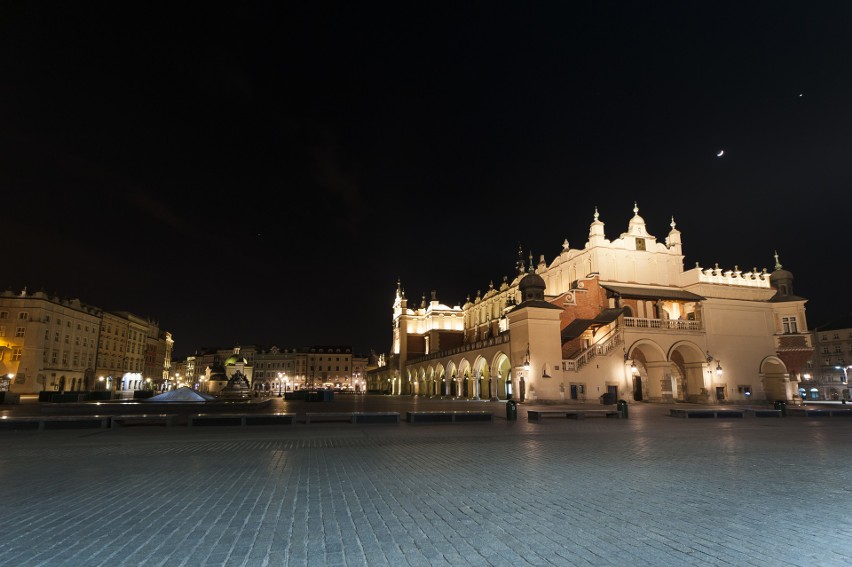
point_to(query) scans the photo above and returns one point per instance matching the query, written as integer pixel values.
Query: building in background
(47, 343)
(52, 344)
(122, 345)
(617, 318)
(828, 378)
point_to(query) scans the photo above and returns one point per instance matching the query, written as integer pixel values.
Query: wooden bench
(538, 415)
(212, 419)
(448, 416)
(818, 412)
(692, 413)
(42, 422)
(765, 412)
(167, 419)
(352, 416)
(706, 413)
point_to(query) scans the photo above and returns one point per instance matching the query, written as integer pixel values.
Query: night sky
(265, 173)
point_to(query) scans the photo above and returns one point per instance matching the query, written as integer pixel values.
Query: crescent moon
(721, 153)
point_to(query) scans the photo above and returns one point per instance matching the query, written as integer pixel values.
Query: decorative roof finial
(596, 214)
(635, 208)
(673, 223)
(777, 263)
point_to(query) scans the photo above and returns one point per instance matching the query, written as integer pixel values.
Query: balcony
(663, 324)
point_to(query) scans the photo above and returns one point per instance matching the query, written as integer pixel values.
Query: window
(56, 336)
(46, 335)
(19, 331)
(790, 325)
(16, 353)
(2, 331)
(4, 314)
(23, 316)
(65, 358)
(53, 358)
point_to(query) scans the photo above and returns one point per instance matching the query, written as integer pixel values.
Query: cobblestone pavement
(647, 490)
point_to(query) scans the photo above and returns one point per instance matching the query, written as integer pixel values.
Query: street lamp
(718, 363)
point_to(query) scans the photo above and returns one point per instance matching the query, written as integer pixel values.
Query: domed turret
(532, 286)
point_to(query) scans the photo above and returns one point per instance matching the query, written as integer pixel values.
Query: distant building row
(56, 344)
(272, 370)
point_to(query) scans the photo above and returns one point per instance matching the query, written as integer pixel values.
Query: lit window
(19, 331)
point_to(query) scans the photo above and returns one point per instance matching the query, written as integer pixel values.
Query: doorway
(637, 388)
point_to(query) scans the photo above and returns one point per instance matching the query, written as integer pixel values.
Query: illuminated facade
(53, 344)
(47, 343)
(613, 319)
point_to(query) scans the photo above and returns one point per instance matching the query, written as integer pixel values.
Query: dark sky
(264, 173)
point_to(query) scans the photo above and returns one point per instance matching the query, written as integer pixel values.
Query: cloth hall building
(617, 318)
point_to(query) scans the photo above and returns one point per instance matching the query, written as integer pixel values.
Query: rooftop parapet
(717, 275)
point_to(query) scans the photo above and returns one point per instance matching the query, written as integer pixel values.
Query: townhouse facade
(828, 374)
(48, 343)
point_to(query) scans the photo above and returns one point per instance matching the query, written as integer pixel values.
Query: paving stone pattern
(648, 490)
